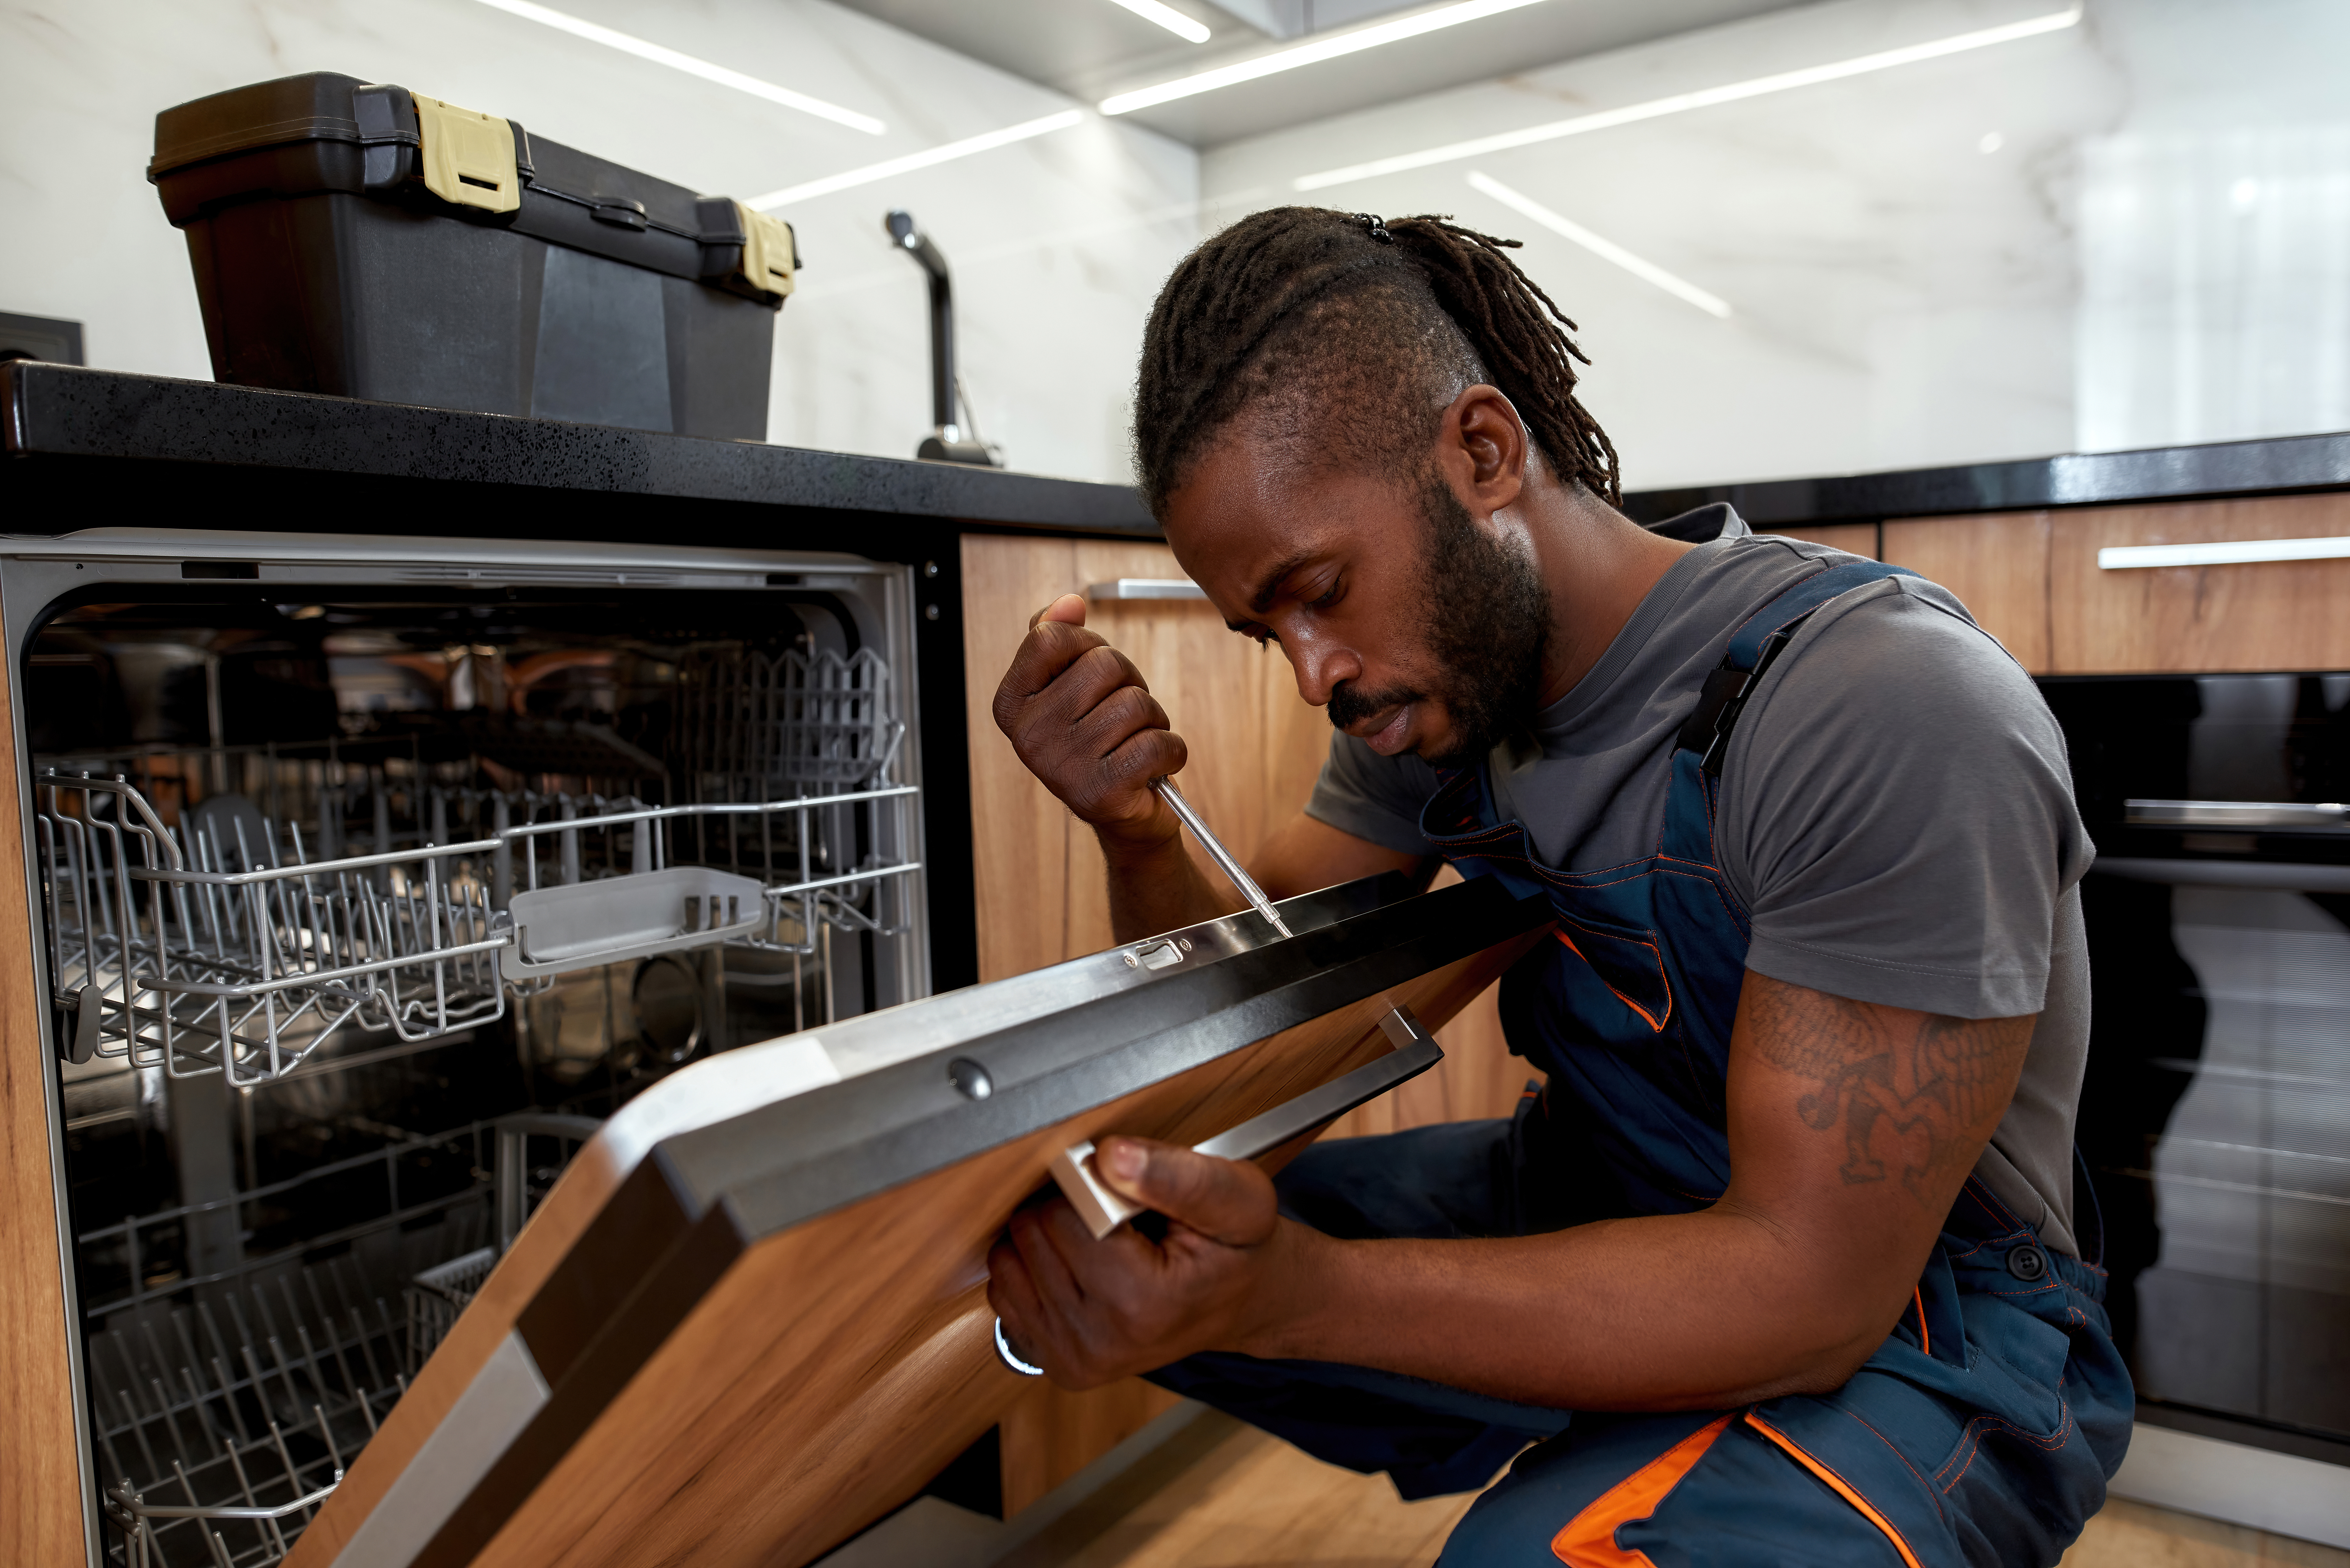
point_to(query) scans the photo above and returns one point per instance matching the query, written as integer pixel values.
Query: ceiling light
(1606, 250)
(2221, 553)
(692, 66)
(1991, 142)
(1167, 17)
(1310, 54)
(912, 161)
(1655, 109)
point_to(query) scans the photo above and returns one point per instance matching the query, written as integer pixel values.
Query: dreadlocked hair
(1337, 333)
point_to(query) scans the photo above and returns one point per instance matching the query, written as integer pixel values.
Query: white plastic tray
(557, 930)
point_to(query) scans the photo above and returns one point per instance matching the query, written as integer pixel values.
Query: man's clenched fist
(1084, 721)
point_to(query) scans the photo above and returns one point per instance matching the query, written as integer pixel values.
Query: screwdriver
(1222, 856)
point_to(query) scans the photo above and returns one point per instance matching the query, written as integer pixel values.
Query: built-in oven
(369, 875)
(2215, 1117)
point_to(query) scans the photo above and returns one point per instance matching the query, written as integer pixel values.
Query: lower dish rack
(222, 1423)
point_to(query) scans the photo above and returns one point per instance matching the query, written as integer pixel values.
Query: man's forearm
(1676, 1312)
(1160, 888)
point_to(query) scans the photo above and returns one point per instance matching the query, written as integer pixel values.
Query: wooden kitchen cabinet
(2260, 614)
(41, 1503)
(1997, 565)
(1255, 750)
(2032, 579)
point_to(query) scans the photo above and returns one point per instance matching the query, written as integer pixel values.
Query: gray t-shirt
(1896, 813)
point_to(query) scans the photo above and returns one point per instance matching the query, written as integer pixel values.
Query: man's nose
(1320, 668)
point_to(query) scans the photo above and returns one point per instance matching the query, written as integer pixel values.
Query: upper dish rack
(220, 945)
(823, 719)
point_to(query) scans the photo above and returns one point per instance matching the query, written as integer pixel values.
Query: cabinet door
(1256, 748)
(2262, 615)
(41, 1487)
(1997, 564)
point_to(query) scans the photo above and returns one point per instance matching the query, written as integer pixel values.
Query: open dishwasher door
(366, 875)
(752, 1319)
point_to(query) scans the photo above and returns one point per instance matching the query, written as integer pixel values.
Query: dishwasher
(369, 875)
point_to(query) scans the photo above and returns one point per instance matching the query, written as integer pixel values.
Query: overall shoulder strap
(1755, 643)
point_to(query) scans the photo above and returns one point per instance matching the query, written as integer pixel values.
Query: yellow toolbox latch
(769, 254)
(469, 157)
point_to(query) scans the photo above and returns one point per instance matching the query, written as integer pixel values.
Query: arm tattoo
(1925, 1101)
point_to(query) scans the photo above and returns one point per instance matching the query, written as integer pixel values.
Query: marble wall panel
(1058, 242)
(2045, 246)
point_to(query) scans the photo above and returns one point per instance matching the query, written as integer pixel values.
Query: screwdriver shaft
(1222, 856)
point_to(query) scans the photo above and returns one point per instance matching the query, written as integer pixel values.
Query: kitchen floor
(1249, 1502)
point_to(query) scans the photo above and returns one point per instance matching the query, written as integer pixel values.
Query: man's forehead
(1260, 525)
(1242, 562)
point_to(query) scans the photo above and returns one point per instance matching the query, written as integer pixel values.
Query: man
(1790, 1230)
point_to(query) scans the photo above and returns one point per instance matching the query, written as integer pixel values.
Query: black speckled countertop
(211, 455)
(93, 423)
(2084, 479)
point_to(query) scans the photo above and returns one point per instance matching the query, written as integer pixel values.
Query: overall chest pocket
(1626, 968)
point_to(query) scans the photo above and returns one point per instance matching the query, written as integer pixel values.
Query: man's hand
(1083, 718)
(1091, 1311)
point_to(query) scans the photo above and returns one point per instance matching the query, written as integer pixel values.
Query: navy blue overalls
(1983, 1432)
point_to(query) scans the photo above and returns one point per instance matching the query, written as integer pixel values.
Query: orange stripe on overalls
(1589, 1538)
(1836, 1484)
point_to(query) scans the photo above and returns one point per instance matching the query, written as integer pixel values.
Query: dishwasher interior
(364, 887)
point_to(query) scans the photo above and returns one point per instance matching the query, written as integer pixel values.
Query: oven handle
(2328, 816)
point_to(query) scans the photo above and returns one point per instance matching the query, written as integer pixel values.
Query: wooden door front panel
(2032, 579)
(2249, 615)
(837, 1363)
(42, 1504)
(1996, 564)
(1256, 747)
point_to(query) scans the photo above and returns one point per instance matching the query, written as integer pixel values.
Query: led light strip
(912, 161)
(644, 50)
(2221, 553)
(1167, 17)
(1604, 249)
(1336, 47)
(1680, 103)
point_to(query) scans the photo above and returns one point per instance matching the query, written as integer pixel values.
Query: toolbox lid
(389, 144)
(315, 107)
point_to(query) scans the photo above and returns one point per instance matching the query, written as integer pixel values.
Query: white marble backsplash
(2029, 249)
(1059, 244)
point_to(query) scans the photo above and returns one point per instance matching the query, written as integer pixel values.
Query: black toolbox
(362, 240)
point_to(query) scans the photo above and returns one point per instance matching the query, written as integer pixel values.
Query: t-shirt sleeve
(1898, 812)
(1372, 796)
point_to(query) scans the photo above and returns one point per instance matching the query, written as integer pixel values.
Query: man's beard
(1486, 627)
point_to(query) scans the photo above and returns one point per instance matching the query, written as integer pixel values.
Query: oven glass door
(2215, 1115)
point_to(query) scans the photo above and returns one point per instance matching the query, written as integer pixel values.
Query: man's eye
(1328, 599)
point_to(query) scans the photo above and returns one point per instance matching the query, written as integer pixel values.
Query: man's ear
(1482, 446)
